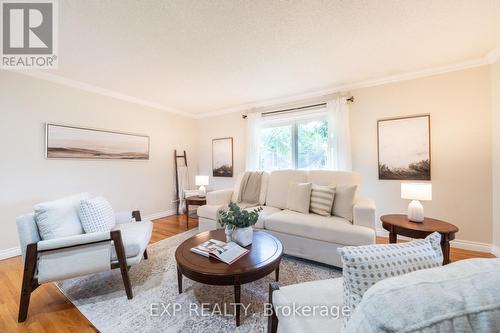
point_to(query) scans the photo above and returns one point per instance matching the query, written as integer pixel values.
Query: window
(299, 144)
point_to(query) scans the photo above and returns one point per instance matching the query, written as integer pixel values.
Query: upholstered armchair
(72, 256)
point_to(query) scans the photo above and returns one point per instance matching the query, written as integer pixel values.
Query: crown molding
(352, 86)
(490, 58)
(46, 76)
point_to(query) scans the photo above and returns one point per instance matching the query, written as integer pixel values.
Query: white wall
(460, 108)
(26, 177)
(229, 125)
(495, 98)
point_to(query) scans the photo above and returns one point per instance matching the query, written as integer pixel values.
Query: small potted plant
(238, 223)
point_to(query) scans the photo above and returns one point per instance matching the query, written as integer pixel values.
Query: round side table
(398, 224)
(195, 201)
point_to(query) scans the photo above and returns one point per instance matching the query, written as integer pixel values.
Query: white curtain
(254, 122)
(339, 136)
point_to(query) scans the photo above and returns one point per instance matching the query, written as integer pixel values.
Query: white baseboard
(9, 253)
(471, 246)
(457, 243)
(495, 250)
(159, 215)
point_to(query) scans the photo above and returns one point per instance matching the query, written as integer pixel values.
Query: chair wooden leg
(116, 236)
(136, 214)
(272, 320)
(145, 254)
(29, 284)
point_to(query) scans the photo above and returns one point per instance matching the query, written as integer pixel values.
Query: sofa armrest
(128, 216)
(219, 197)
(76, 240)
(123, 217)
(364, 212)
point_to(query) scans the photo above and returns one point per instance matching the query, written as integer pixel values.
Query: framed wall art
(404, 148)
(71, 142)
(222, 157)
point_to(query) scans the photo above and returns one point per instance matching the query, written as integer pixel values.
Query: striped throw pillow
(322, 199)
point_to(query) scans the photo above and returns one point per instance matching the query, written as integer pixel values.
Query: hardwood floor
(51, 312)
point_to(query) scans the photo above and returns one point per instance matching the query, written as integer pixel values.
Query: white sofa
(460, 297)
(307, 236)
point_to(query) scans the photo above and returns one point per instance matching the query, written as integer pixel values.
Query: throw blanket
(250, 189)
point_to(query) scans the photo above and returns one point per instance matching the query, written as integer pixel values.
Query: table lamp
(201, 181)
(416, 192)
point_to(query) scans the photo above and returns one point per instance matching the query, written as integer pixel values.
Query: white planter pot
(243, 236)
(229, 234)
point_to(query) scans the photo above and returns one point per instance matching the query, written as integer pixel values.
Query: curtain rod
(350, 99)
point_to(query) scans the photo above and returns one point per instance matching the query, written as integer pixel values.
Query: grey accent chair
(72, 256)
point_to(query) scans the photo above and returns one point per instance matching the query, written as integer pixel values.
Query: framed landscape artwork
(404, 148)
(64, 141)
(222, 157)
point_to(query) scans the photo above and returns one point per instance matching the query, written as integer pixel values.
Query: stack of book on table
(225, 252)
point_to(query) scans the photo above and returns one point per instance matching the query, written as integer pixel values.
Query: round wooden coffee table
(264, 258)
(398, 224)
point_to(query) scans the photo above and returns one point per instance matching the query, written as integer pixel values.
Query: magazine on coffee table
(225, 252)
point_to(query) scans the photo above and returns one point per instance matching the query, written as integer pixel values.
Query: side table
(195, 201)
(398, 224)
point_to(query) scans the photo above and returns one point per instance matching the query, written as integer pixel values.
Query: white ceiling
(203, 56)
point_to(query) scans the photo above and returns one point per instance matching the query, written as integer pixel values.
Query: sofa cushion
(323, 293)
(96, 215)
(210, 211)
(364, 266)
(329, 229)
(263, 215)
(344, 201)
(329, 177)
(277, 188)
(463, 296)
(59, 218)
(299, 197)
(135, 238)
(322, 199)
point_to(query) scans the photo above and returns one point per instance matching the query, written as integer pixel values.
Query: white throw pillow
(363, 266)
(97, 215)
(59, 218)
(344, 201)
(322, 199)
(299, 197)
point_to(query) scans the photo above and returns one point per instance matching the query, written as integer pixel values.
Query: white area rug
(101, 297)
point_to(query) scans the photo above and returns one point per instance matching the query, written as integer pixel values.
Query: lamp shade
(201, 180)
(416, 191)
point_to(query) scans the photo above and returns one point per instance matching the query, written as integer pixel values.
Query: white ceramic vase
(242, 236)
(229, 234)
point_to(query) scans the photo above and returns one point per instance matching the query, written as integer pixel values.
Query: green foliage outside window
(302, 145)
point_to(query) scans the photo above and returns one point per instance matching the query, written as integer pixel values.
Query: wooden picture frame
(74, 142)
(404, 148)
(222, 157)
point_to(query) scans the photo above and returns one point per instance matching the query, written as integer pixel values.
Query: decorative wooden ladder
(177, 190)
